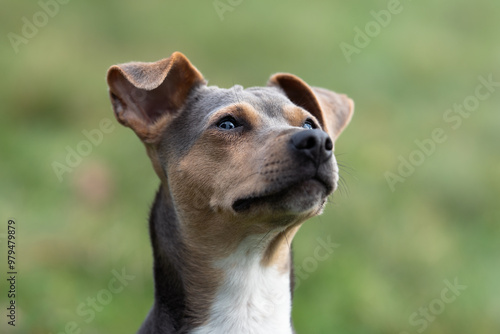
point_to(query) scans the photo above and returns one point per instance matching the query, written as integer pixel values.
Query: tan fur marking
(296, 116)
(241, 110)
(278, 252)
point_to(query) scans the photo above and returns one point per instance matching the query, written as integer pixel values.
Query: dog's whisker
(344, 166)
(343, 188)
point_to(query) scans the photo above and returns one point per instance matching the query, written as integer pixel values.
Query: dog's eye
(227, 123)
(308, 124)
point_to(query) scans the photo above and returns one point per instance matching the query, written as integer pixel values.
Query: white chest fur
(253, 299)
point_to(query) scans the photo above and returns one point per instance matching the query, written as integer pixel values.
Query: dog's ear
(333, 111)
(146, 96)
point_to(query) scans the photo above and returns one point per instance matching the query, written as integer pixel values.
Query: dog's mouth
(274, 197)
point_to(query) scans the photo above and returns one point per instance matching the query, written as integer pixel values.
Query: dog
(240, 171)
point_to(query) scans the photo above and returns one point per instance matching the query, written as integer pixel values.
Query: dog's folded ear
(333, 111)
(146, 96)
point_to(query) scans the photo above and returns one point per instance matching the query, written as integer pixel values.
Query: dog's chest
(252, 298)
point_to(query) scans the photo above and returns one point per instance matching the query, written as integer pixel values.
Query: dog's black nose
(315, 144)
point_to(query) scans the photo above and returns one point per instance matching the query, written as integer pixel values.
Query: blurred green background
(395, 248)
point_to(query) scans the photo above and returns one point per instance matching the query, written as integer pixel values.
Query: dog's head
(259, 154)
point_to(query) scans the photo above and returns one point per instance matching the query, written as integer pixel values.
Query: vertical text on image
(11, 271)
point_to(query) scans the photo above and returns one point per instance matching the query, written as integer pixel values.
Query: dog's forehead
(267, 100)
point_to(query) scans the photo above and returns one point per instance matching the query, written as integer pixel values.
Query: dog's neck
(248, 291)
(252, 297)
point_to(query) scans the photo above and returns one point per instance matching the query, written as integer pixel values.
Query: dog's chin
(305, 197)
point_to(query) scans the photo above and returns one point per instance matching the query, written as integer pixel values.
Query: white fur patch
(252, 299)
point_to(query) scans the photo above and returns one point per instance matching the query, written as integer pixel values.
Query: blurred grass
(396, 248)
